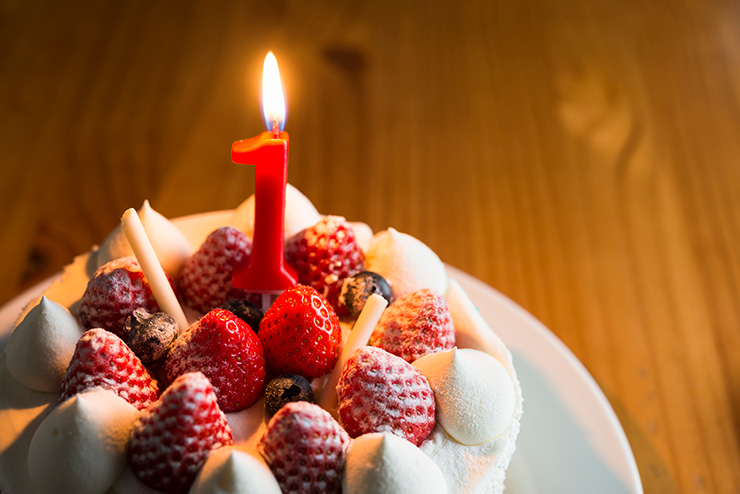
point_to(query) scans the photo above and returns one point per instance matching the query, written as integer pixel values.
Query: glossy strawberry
(305, 449)
(103, 359)
(300, 334)
(226, 350)
(379, 392)
(414, 325)
(205, 280)
(113, 293)
(324, 255)
(172, 439)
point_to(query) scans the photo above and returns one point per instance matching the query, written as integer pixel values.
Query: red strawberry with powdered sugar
(103, 359)
(205, 280)
(414, 325)
(324, 255)
(228, 352)
(300, 333)
(173, 438)
(379, 392)
(113, 293)
(305, 449)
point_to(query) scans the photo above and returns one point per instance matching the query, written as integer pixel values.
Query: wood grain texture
(582, 157)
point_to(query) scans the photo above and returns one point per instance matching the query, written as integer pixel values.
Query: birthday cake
(100, 392)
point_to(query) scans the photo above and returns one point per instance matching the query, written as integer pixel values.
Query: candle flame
(273, 100)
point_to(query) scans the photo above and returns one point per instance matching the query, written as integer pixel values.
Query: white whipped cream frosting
(467, 469)
(474, 393)
(80, 448)
(471, 469)
(169, 242)
(300, 213)
(230, 470)
(479, 469)
(406, 262)
(363, 234)
(382, 463)
(42, 345)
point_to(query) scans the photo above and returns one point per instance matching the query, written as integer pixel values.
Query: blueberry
(284, 389)
(358, 288)
(246, 311)
(150, 335)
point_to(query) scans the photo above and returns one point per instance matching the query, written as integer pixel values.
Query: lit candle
(155, 276)
(267, 272)
(361, 332)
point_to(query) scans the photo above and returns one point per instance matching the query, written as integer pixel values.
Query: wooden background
(580, 156)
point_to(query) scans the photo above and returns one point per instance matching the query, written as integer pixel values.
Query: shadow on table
(653, 471)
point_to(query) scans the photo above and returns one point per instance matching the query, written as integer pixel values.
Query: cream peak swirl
(406, 262)
(300, 213)
(80, 448)
(231, 470)
(42, 345)
(170, 244)
(474, 393)
(379, 463)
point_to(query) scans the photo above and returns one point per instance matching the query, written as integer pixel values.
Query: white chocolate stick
(361, 332)
(142, 247)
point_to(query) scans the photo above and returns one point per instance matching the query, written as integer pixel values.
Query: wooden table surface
(581, 157)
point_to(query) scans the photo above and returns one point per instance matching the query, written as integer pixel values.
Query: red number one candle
(267, 272)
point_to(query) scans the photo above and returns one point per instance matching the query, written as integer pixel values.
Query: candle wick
(275, 129)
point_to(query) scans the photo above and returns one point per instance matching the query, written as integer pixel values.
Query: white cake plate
(570, 442)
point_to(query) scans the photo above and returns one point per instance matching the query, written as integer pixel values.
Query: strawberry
(115, 290)
(171, 440)
(103, 359)
(414, 325)
(305, 449)
(205, 279)
(324, 255)
(379, 392)
(300, 334)
(226, 350)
